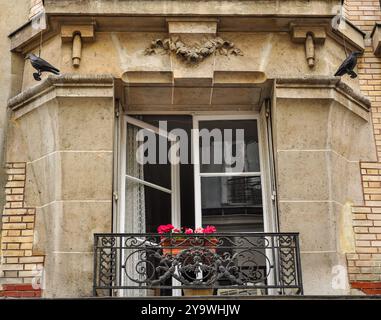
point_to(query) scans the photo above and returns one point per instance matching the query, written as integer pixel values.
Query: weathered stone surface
(72, 225)
(69, 275)
(309, 134)
(85, 124)
(86, 175)
(324, 274)
(44, 179)
(351, 135)
(309, 168)
(315, 222)
(345, 180)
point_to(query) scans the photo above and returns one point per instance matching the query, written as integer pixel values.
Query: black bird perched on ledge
(348, 65)
(41, 66)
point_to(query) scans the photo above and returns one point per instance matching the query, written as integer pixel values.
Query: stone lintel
(239, 77)
(194, 82)
(148, 77)
(236, 78)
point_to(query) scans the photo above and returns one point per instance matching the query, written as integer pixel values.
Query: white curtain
(135, 202)
(135, 212)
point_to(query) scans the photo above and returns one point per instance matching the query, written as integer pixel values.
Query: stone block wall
(364, 266)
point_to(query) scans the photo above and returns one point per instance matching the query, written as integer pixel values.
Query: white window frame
(269, 213)
(175, 174)
(120, 223)
(263, 158)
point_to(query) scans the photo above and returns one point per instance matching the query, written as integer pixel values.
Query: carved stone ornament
(195, 53)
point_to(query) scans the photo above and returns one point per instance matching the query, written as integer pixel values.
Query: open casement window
(145, 187)
(225, 181)
(228, 173)
(232, 181)
(142, 179)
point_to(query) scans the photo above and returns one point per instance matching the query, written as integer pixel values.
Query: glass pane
(229, 146)
(143, 159)
(157, 209)
(176, 124)
(146, 207)
(232, 203)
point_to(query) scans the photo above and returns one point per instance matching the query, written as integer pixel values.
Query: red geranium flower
(169, 228)
(188, 231)
(165, 228)
(210, 229)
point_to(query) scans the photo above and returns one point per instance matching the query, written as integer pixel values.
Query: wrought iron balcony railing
(227, 263)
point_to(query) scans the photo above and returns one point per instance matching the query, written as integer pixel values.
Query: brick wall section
(18, 265)
(364, 266)
(20, 291)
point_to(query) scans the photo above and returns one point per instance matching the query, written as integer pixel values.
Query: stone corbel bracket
(77, 34)
(310, 36)
(376, 39)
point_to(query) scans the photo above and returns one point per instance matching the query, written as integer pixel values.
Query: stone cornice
(326, 82)
(343, 93)
(45, 90)
(183, 7)
(153, 16)
(351, 34)
(51, 82)
(26, 37)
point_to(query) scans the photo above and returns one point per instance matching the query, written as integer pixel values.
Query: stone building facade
(190, 61)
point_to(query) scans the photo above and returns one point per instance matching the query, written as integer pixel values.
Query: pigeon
(41, 66)
(348, 65)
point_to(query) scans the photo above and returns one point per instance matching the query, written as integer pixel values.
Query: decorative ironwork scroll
(268, 263)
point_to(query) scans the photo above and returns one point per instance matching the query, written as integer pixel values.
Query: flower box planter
(198, 292)
(174, 246)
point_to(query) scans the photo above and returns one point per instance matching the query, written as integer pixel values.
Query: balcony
(218, 264)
